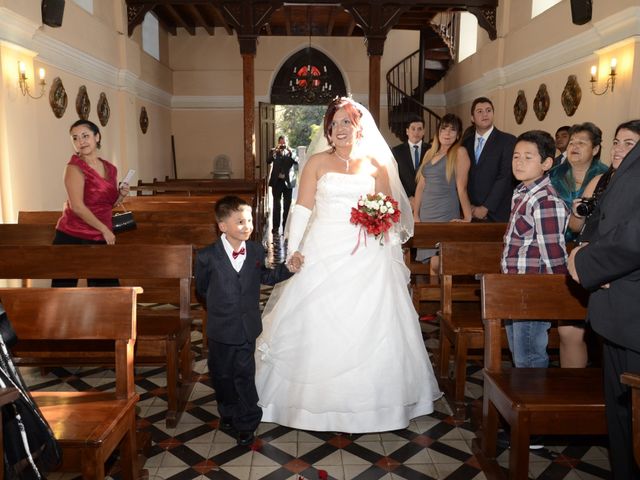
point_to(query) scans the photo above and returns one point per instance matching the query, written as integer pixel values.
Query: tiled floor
(432, 447)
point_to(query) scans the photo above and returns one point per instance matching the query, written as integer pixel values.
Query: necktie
(478, 149)
(416, 157)
(239, 252)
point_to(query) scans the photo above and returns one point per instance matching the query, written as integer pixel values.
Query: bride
(342, 349)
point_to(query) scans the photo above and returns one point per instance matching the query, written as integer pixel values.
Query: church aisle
(432, 447)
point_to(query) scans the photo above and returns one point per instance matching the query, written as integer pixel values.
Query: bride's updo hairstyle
(353, 113)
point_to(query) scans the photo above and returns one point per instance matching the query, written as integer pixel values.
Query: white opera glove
(298, 219)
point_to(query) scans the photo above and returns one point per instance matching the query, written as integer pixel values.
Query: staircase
(408, 80)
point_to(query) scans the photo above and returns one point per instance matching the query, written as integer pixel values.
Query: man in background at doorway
(279, 181)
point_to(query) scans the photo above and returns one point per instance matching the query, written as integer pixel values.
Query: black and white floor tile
(432, 447)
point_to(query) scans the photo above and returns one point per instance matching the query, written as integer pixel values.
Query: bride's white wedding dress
(342, 348)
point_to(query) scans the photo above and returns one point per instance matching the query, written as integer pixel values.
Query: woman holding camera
(570, 180)
(583, 163)
(626, 137)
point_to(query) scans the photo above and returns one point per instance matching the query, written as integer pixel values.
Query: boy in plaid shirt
(534, 241)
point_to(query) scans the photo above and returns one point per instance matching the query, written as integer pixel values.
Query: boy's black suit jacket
(232, 298)
(491, 179)
(613, 256)
(406, 168)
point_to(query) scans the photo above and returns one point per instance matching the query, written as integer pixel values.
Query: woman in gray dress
(441, 191)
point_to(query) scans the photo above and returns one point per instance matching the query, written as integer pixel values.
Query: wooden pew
(633, 381)
(90, 425)
(164, 337)
(163, 217)
(429, 235)
(460, 321)
(535, 401)
(198, 235)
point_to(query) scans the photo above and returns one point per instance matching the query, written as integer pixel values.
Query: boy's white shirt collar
(411, 145)
(239, 260)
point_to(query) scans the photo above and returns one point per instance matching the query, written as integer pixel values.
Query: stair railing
(402, 80)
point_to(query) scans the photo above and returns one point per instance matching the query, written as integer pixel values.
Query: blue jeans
(528, 343)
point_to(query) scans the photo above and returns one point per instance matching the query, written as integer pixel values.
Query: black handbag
(123, 222)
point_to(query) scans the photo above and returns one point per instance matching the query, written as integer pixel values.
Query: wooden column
(374, 87)
(248, 94)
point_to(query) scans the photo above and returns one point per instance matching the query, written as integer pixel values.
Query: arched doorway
(308, 77)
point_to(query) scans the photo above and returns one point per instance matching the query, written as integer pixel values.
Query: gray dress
(440, 202)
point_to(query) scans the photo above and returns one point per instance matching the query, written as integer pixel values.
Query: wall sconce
(22, 80)
(611, 81)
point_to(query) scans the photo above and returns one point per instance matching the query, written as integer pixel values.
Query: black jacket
(406, 166)
(233, 298)
(491, 179)
(282, 161)
(613, 256)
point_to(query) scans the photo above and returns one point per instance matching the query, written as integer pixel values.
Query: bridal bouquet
(376, 214)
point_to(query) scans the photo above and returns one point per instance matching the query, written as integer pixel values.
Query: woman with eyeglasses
(92, 192)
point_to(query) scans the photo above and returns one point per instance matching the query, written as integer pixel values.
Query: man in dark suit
(562, 141)
(609, 266)
(280, 182)
(491, 181)
(228, 275)
(409, 154)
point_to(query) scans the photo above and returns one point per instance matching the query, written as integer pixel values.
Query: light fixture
(22, 80)
(310, 83)
(611, 80)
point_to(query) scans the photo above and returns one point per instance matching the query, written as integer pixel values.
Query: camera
(586, 206)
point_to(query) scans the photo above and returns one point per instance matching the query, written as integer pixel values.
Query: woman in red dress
(92, 192)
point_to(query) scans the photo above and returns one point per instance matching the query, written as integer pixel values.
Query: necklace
(345, 160)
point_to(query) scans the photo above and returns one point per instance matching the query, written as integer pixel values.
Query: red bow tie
(239, 252)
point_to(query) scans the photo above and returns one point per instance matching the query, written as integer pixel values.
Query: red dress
(99, 196)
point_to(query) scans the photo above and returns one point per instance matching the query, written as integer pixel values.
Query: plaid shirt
(534, 241)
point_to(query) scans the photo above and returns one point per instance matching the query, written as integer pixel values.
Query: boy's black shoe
(504, 441)
(225, 424)
(245, 438)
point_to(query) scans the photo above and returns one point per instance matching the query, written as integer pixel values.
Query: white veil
(372, 144)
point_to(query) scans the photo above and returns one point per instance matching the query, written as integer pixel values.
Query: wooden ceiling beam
(179, 19)
(220, 18)
(332, 20)
(287, 20)
(203, 22)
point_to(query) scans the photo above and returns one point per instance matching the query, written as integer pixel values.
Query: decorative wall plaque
(144, 120)
(104, 112)
(520, 107)
(571, 95)
(541, 102)
(58, 98)
(83, 104)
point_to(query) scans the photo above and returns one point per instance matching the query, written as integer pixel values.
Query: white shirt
(485, 136)
(239, 260)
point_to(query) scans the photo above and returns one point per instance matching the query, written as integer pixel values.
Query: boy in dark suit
(228, 275)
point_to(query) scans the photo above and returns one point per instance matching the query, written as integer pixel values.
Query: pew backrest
(526, 297)
(465, 259)
(46, 314)
(103, 261)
